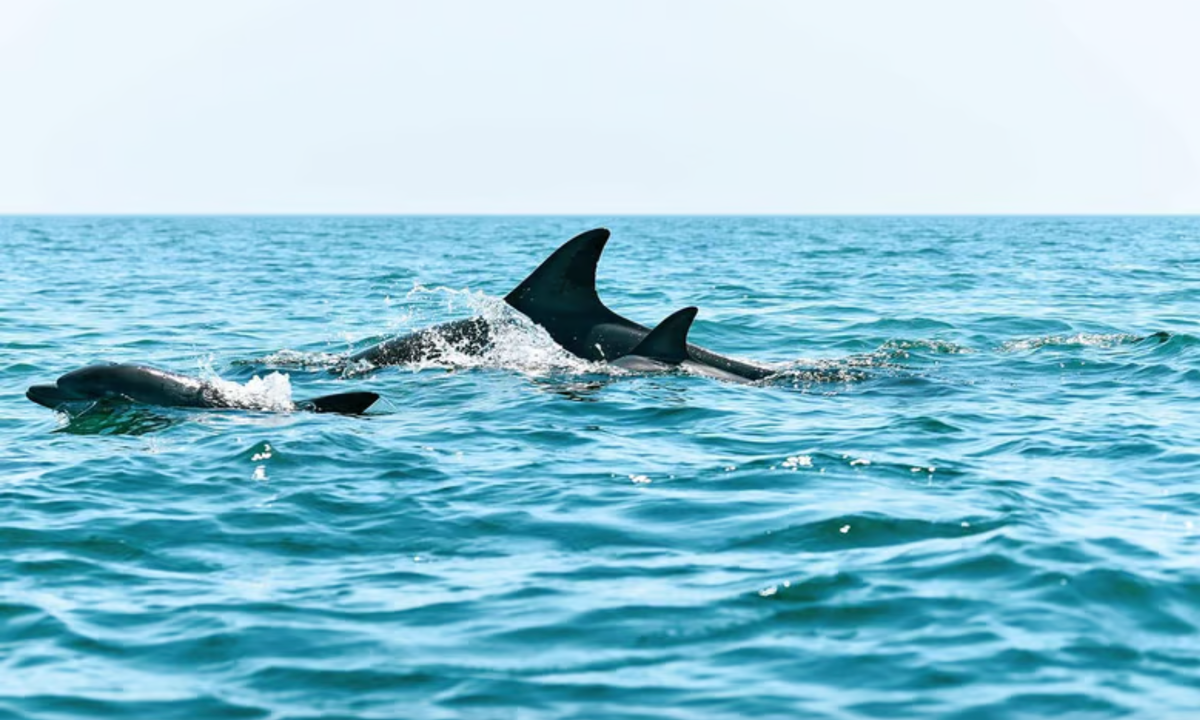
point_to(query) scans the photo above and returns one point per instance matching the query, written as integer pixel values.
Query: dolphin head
(95, 381)
(123, 382)
(80, 385)
(51, 396)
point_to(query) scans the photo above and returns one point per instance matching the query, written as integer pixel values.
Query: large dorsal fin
(566, 281)
(667, 342)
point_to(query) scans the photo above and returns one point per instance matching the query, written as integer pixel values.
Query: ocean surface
(972, 490)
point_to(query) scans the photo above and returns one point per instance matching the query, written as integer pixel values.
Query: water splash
(298, 359)
(515, 342)
(272, 393)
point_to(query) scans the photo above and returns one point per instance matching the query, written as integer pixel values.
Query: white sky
(621, 106)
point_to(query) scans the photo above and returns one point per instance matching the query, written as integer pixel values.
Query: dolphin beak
(51, 396)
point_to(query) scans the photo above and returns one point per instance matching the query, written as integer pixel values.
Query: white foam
(271, 393)
(516, 342)
(304, 360)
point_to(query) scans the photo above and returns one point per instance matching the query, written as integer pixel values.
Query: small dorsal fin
(667, 342)
(565, 281)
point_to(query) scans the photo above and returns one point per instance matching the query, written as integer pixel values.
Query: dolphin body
(150, 386)
(560, 295)
(665, 349)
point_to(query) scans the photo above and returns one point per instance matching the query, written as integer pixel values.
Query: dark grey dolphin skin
(666, 349)
(151, 386)
(560, 295)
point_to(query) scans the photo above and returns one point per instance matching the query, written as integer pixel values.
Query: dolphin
(665, 349)
(144, 385)
(560, 295)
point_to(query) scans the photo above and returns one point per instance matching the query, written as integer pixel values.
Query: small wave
(103, 418)
(298, 359)
(902, 324)
(857, 368)
(833, 534)
(1170, 342)
(1100, 340)
(902, 348)
(826, 372)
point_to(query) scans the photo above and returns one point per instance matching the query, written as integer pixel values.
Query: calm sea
(972, 492)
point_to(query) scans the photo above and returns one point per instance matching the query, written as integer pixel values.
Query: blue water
(972, 492)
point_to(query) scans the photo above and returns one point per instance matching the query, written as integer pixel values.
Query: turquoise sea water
(973, 491)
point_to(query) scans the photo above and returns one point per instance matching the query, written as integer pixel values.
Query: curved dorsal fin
(667, 342)
(565, 282)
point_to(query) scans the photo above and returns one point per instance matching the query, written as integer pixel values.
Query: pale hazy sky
(621, 106)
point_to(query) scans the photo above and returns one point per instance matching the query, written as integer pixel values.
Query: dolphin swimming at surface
(139, 384)
(666, 349)
(560, 296)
